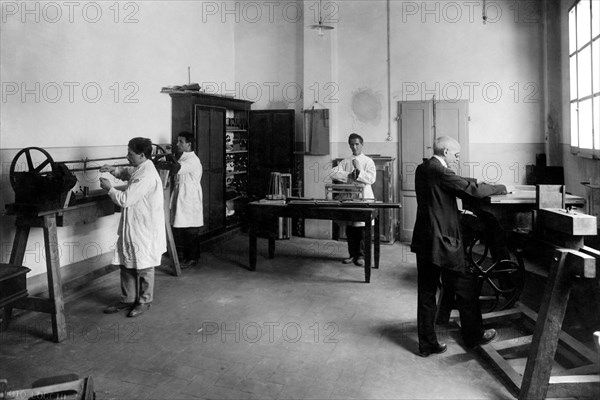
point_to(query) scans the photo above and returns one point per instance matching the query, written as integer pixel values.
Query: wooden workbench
(27, 218)
(566, 265)
(359, 211)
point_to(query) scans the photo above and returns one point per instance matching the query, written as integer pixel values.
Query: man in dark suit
(438, 245)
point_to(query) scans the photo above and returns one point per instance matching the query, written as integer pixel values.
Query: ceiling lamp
(320, 27)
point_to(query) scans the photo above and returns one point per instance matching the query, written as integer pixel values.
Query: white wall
(442, 49)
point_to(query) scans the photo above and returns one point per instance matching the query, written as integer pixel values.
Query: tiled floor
(302, 326)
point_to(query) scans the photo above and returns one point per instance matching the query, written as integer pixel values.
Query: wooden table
(358, 211)
(514, 210)
(49, 221)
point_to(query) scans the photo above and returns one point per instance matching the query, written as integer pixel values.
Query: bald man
(438, 245)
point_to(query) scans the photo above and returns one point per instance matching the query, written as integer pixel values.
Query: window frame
(581, 48)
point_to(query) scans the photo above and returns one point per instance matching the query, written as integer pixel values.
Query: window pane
(595, 18)
(583, 23)
(572, 32)
(596, 63)
(574, 126)
(573, 77)
(584, 72)
(585, 124)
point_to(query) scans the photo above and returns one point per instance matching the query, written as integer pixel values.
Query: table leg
(252, 248)
(368, 251)
(17, 255)
(59, 326)
(271, 247)
(377, 240)
(172, 249)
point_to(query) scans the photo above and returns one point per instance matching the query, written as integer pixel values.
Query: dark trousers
(189, 240)
(463, 286)
(355, 235)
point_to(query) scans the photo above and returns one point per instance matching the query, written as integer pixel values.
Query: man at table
(186, 199)
(437, 242)
(356, 169)
(141, 234)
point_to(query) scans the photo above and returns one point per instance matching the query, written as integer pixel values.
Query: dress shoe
(348, 260)
(441, 348)
(360, 261)
(115, 308)
(138, 309)
(187, 263)
(487, 337)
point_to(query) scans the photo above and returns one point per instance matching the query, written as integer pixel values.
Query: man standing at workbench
(356, 169)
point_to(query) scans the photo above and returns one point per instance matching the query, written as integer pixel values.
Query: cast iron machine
(42, 184)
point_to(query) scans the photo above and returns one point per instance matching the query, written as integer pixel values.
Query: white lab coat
(141, 236)
(186, 198)
(367, 175)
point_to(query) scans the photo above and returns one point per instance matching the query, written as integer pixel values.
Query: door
(420, 123)
(210, 148)
(271, 144)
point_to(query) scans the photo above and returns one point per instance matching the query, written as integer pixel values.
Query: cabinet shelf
(234, 129)
(236, 151)
(236, 173)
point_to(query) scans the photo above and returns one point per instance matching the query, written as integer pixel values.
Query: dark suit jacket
(437, 228)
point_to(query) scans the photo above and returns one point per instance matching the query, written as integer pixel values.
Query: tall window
(584, 61)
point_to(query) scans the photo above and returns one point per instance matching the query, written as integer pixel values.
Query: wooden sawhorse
(536, 381)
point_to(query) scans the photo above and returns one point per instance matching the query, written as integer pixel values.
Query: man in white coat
(141, 236)
(356, 169)
(186, 199)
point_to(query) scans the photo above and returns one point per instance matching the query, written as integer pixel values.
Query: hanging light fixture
(320, 27)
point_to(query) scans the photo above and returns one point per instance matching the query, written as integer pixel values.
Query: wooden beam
(547, 330)
(515, 345)
(574, 386)
(510, 376)
(581, 264)
(569, 222)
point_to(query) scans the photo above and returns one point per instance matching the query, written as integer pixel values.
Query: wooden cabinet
(221, 128)
(238, 148)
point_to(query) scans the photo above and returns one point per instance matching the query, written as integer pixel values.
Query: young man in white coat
(186, 199)
(141, 235)
(356, 169)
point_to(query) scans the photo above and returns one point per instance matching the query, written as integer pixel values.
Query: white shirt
(186, 199)
(141, 235)
(367, 175)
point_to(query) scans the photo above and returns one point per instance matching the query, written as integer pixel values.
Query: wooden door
(416, 137)
(451, 119)
(271, 144)
(420, 123)
(210, 148)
